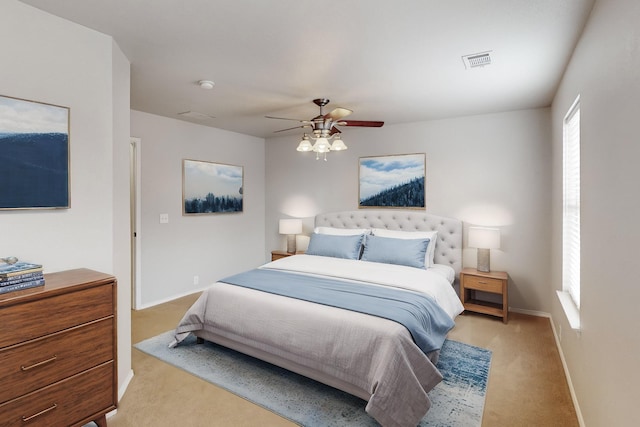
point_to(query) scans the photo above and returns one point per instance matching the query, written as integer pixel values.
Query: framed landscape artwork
(34, 154)
(395, 181)
(211, 188)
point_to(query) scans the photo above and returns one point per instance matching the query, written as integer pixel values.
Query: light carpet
(457, 401)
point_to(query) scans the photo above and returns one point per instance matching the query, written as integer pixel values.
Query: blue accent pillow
(409, 252)
(335, 246)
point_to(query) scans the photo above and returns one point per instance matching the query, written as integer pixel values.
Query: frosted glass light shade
(305, 144)
(338, 145)
(321, 145)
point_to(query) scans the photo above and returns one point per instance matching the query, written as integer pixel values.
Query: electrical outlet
(196, 280)
(164, 218)
(560, 332)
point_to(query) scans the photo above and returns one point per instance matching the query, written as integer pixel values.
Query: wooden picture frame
(211, 188)
(34, 154)
(393, 181)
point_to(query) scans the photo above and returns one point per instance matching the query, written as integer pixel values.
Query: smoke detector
(477, 60)
(206, 84)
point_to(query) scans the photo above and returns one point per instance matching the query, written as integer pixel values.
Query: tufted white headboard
(448, 247)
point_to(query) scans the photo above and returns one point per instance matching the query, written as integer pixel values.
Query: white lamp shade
(290, 226)
(484, 238)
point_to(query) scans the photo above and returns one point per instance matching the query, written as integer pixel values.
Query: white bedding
(445, 271)
(370, 357)
(435, 281)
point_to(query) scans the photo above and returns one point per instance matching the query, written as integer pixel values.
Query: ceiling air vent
(477, 60)
(196, 115)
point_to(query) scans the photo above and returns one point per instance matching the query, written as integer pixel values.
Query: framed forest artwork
(211, 188)
(34, 154)
(394, 181)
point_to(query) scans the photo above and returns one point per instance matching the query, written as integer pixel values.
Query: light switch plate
(164, 218)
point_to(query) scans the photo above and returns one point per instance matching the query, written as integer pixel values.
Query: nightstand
(495, 282)
(282, 254)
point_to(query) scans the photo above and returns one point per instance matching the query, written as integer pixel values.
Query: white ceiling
(396, 61)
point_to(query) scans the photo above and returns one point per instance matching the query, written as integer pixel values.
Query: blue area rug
(457, 401)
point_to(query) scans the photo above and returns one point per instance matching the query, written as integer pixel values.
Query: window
(571, 215)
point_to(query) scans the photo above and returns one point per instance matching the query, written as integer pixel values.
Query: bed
(389, 363)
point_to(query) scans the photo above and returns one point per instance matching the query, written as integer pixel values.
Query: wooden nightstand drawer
(485, 284)
(29, 366)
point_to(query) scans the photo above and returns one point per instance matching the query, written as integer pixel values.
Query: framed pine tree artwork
(34, 154)
(394, 181)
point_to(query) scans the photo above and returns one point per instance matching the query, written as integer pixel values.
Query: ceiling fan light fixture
(324, 130)
(305, 144)
(321, 145)
(338, 144)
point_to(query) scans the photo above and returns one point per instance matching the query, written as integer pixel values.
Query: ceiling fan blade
(334, 130)
(337, 113)
(286, 118)
(297, 127)
(361, 123)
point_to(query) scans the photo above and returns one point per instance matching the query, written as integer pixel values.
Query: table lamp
(484, 239)
(291, 227)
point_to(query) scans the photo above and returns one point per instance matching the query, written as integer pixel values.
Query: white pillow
(398, 234)
(341, 231)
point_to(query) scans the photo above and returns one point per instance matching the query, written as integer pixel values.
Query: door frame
(136, 229)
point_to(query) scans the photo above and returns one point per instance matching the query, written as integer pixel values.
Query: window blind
(571, 204)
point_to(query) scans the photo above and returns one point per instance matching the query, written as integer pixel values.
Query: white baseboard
(121, 391)
(125, 384)
(572, 390)
(171, 298)
(530, 312)
(574, 398)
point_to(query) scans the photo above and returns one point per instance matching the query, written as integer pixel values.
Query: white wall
(602, 360)
(52, 60)
(208, 246)
(486, 170)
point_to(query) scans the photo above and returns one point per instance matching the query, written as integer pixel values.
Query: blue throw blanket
(427, 322)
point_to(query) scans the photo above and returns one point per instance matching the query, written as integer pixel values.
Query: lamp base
(483, 260)
(291, 243)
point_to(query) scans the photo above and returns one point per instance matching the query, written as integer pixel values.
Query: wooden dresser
(58, 351)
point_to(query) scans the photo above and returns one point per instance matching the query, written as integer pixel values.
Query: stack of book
(21, 275)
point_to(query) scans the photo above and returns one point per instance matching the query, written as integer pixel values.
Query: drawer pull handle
(44, 411)
(482, 283)
(35, 365)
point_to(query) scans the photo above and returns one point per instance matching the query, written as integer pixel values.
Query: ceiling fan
(325, 127)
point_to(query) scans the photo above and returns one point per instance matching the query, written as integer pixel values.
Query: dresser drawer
(483, 284)
(28, 366)
(71, 402)
(25, 321)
